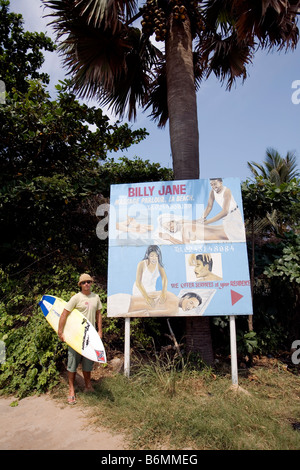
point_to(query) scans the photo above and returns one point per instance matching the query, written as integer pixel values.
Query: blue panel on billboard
(178, 248)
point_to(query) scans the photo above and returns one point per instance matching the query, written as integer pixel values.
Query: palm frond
(276, 168)
(235, 28)
(272, 22)
(291, 161)
(257, 170)
(94, 56)
(131, 88)
(226, 58)
(260, 224)
(157, 99)
(104, 13)
(108, 11)
(107, 60)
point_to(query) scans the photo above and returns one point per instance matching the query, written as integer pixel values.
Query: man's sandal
(71, 400)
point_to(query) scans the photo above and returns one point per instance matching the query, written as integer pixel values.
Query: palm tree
(276, 168)
(111, 59)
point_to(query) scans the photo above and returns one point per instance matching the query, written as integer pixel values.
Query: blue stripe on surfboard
(48, 298)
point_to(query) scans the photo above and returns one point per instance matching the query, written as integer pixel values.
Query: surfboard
(79, 332)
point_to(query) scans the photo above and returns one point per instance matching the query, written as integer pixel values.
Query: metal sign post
(127, 348)
(233, 351)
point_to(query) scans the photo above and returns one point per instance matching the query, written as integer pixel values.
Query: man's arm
(167, 236)
(210, 204)
(225, 208)
(61, 324)
(99, 322)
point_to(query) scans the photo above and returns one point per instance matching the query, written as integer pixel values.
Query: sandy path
(41, 423)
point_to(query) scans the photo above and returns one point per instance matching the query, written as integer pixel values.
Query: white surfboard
(79, 332)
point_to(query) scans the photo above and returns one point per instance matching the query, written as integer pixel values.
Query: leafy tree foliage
(21, 52)
(263, 197)
(132, 171)
(272, 222)
(50, 163)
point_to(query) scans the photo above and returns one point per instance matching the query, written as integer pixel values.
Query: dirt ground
(41, 423)
(44, 423)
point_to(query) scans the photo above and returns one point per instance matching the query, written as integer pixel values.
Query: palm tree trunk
(182, 96)
(185, 146)
(198, 338)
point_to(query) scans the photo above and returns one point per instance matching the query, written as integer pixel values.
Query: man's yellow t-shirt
(88, 305)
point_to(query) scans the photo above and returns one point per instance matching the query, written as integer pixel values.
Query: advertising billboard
(178, 248)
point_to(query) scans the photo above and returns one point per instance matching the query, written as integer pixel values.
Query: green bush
(33, 353)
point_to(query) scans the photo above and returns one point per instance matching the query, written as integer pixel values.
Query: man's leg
(71, 377)
(73, 361)
(87, 367)
(87, 381)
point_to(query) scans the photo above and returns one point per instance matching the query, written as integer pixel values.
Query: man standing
(90, 306)
(230, 213)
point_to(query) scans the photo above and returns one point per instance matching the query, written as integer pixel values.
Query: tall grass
(169, 405)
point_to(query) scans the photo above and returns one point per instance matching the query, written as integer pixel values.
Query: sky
(235, 127)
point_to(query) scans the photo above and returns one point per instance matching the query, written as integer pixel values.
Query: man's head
(216, 184)
(189, 301)
(85, 283)
(204, 265)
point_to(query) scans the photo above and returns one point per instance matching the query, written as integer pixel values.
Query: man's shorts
(74, 359)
